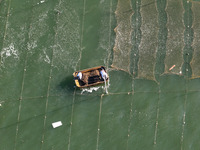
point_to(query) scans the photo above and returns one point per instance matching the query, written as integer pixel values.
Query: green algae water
(150, 49)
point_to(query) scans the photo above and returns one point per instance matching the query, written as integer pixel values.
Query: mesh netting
(196, 27)
(122, 48)
(149, 41)
(175, 40)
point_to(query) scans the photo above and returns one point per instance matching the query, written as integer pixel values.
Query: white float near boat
(57, 124)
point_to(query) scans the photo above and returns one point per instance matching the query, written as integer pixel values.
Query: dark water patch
(194, 85)
(31, 113)
(195, 63)
(175, 39)
(169, 124)
(86, 113)
(167, 83)
(9, 112)
(162, 39)
(23, 142)
(120, 81)
(115, 118)
(31, 109)
(136, 37)
(192, 123)
(142, 125)
(58, 103)
(6, 141)
(144, 85)
(188, 38)
(67, 84)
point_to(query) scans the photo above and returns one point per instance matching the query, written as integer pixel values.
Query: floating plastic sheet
(175, 39)
(195, 63)
(122, 48)
(57, 124)
(149, 41)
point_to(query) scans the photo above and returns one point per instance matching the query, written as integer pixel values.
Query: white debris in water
(1, 103)
(9, 51)
(90, 90)
(46, 59)
(32, 45)
(101, 1)
(42, 1)
(57, 124)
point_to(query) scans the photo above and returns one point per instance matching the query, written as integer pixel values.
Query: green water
(148, 106)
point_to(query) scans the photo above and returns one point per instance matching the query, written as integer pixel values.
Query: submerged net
(149, 41)
(122, 48)
(196, 45)
(147, 55)
(68, 37)
(175, 40)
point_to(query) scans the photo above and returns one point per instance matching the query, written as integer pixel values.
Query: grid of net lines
(150, 50)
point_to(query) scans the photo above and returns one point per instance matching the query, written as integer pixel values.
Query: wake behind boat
(90, 77)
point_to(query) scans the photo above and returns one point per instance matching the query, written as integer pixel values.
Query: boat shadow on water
(67, 84)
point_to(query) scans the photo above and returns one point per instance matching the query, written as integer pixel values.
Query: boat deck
(90, 77)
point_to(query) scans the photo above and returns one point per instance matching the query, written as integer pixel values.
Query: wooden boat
(89, 77)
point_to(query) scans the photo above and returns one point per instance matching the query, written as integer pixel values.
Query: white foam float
(57, 124)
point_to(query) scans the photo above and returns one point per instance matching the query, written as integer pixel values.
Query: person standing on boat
(79, 75)
(104, 75)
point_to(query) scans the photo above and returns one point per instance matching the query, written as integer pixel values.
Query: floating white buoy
(57, 124)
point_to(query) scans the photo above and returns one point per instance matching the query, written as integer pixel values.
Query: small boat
(90, 77)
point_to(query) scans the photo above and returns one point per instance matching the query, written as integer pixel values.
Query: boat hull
(91, 77)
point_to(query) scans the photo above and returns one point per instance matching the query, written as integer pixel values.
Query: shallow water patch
(175, 40)
(149, 41)
(123, 45)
